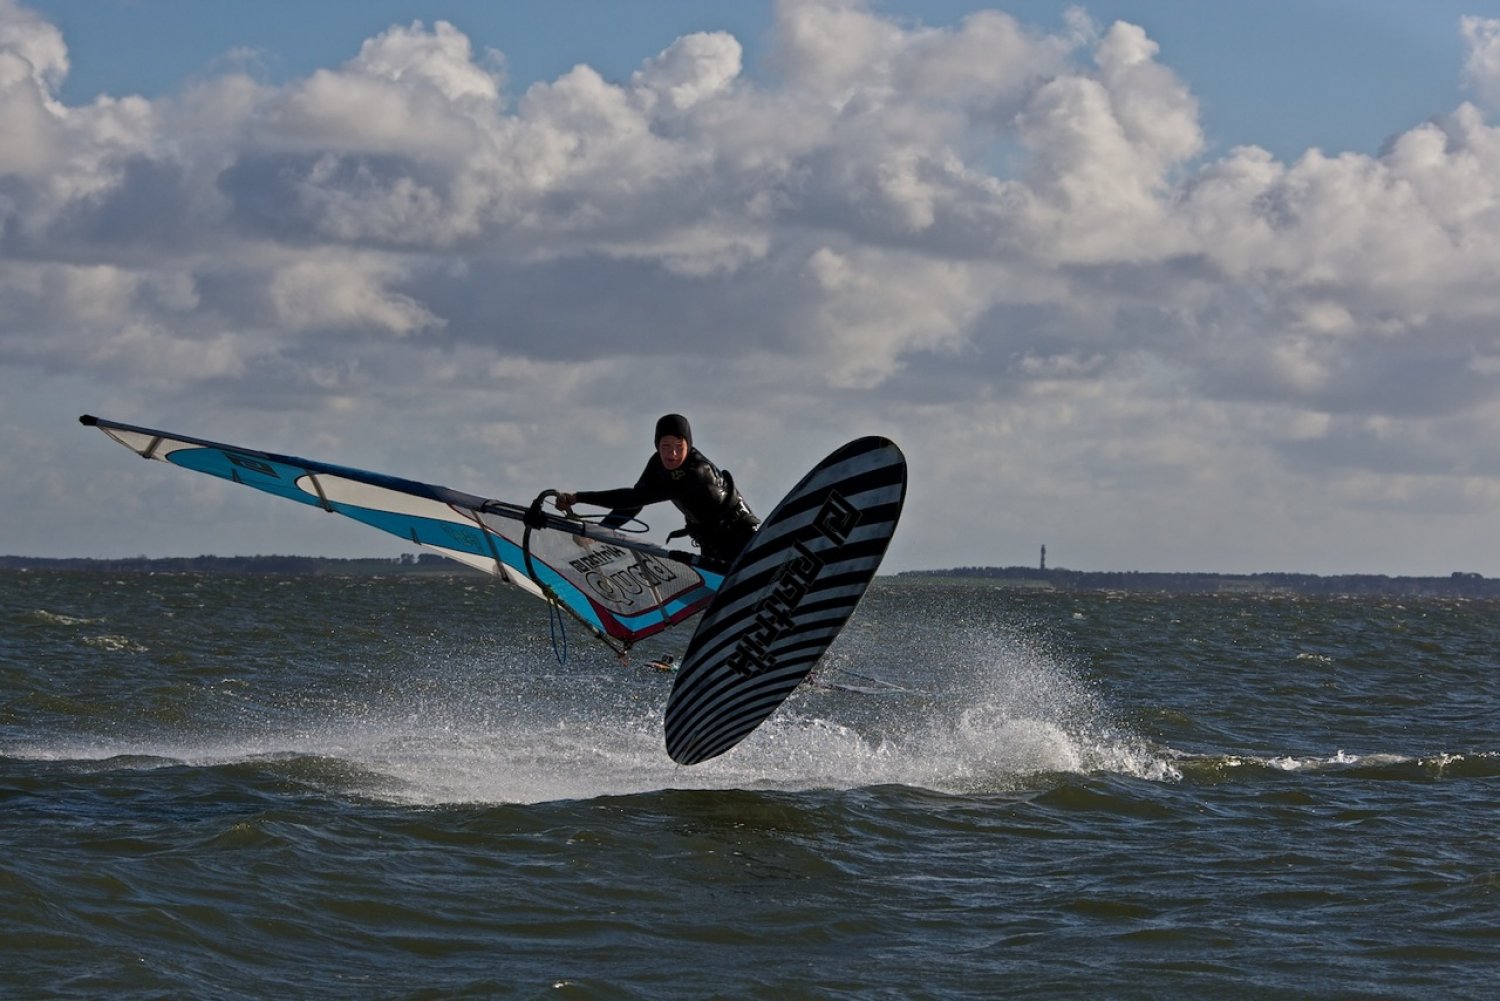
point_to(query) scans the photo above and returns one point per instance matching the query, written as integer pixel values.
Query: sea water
(285, 787)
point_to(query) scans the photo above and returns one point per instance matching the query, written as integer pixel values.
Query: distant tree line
(1459, 584)
(288, 565)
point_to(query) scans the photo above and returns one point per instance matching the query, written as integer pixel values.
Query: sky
(1163, 286)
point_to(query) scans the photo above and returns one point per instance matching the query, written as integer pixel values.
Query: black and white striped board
(786, 598)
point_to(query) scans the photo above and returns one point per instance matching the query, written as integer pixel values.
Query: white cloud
(410, 91)
(1156, 112)
(692, 70)
(168, 357)
(833, 49)
(33, 63)
(871, 309)
(989, 63)
(441, 59)
(1003, 244)
(33, 48)
(1103, 150)
(1481, 69)
(343, 293)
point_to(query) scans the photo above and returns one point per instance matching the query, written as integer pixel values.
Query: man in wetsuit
(717, 517)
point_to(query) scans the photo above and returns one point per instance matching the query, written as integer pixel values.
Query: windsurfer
(718, 519)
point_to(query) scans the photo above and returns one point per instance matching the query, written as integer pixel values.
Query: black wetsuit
(718, 518)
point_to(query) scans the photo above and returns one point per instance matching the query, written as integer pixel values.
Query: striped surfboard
(786, 598)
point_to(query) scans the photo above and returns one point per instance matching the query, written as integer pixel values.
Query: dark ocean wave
(1437, 767)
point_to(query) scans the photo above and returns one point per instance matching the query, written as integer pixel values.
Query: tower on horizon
(1044, 556)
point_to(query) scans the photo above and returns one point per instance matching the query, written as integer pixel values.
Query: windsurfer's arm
(622, 503)
(625, 502)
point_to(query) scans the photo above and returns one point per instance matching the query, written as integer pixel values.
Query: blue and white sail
(621, 587)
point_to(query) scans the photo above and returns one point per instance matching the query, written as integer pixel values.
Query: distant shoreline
(1466, 585)
(1457, 585)
(424, 564)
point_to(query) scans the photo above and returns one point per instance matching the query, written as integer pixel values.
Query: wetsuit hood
(675, 425)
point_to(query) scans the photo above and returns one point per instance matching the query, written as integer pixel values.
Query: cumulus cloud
(410, 91)
(870, 310)
(340, 293)
(31, 47)
(690, 71)
(441, 59)
(1481, 69)
(911, 222)
(33, 62)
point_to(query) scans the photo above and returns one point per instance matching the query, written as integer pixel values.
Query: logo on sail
(620, 586)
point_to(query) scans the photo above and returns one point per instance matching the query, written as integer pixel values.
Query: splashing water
(983, 711)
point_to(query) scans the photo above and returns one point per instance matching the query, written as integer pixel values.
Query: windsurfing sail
(622, 588)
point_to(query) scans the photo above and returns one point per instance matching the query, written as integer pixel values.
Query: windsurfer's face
(673, 451)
